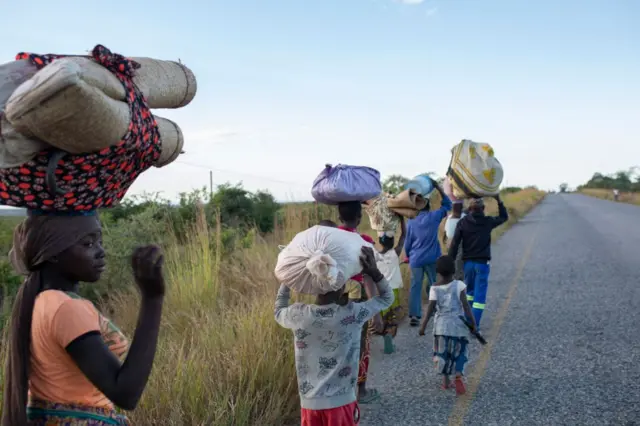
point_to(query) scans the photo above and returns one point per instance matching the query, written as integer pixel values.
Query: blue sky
(286, 86)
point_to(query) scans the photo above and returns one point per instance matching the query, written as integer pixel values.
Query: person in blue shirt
(422, 248)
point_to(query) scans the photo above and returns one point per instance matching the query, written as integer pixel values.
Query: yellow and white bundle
(474, 171)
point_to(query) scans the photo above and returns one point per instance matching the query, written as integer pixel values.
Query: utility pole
(210, 184)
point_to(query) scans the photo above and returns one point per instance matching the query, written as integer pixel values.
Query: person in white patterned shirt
(327, 347)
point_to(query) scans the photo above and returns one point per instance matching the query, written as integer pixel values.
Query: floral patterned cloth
(43, 413)
(88, 181)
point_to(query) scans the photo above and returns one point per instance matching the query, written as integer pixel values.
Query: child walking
(327, 347)
(450, 334)
(389, 265)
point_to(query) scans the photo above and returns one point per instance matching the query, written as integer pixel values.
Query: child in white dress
(450, 334)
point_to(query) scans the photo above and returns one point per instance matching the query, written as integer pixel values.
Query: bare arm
(455, 242)
(444, 238)
(124, 383)
(376, 303)
(430, 307)
(467, 309)
(403, 235)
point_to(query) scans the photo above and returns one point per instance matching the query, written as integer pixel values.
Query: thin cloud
(410, 2)
(431, 12)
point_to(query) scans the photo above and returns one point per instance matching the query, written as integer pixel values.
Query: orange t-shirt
(58, 319)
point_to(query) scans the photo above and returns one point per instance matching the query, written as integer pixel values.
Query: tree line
(623, 180)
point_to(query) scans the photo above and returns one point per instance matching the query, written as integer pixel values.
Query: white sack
(320, 259)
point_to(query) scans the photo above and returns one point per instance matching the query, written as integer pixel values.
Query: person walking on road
(473, 232)
(389, 265)
(449, 231)
(360, 289)
(326, 347)
(450, 334)
(422, 248)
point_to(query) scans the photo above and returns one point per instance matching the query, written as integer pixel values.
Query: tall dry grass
(606, 194)
(222, 359)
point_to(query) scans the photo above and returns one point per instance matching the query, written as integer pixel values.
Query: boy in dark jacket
(474, 233)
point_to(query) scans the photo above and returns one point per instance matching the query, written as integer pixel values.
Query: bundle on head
(474, 171)
(320, 260)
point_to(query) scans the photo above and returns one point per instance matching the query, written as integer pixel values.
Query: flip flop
(372, 395)
(389, 347)
(461, 389)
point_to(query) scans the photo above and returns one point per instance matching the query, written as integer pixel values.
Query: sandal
(451, 386)
(372, 395)
(461, 389)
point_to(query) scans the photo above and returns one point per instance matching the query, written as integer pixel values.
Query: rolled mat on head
(59, 107)
(165, 84)
(408, 203)
(172, 141)
(15, 148)
(406, 212)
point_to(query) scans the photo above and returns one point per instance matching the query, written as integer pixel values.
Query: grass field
(222, 359)
(606, 194)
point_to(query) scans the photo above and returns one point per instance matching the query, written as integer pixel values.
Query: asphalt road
(562, 323)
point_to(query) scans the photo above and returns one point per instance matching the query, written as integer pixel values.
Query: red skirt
(347, 415)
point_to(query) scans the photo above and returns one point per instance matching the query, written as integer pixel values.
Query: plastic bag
(474, 170)
(319, 260)
(346, 183)
(421, 184)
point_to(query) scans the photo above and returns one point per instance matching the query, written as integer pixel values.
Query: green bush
(150, 219)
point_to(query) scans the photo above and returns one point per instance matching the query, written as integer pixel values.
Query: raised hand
(147, 265)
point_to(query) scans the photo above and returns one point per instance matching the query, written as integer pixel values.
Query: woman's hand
(369, 266)
(378, 324)
(147, 265)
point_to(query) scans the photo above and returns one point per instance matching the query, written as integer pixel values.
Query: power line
(265, 178)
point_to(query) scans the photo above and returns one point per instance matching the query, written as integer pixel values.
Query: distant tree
(394, 184)
(623, 180)
(511, 190)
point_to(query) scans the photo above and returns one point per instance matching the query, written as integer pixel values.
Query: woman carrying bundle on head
(389, 265)
(67, 364)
